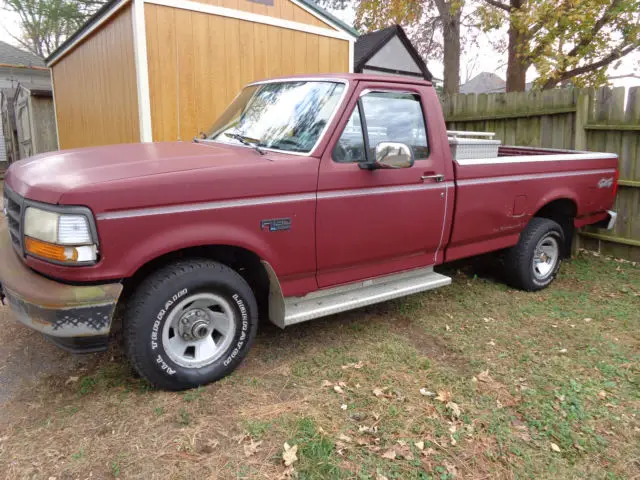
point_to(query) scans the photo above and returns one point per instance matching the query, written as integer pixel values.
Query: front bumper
(76, 318)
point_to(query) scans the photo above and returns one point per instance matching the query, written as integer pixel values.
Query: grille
(14, 205)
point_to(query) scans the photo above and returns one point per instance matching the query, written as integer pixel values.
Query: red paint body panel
(347, 224)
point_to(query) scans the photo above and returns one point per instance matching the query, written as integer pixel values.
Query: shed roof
(369, 44)
(104, 11)
(10, 55)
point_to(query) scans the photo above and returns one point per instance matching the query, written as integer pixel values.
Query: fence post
(580, 141)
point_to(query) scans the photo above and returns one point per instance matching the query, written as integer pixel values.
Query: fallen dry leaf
(485, 377)
(427, 393)
(71, 380)
(289, 472)
(289, 454)
(454, 408)
(389, 454)
(555, 447)
(343, 406)
(602, 394)
(345, 438)
(357, 365)
(491, 343)
(327, 383)
(251, 448)
(381, 477)
(444, 396)
(451, 469)
(447, 327)
(419, 445)
(338, 389)
(564, 350)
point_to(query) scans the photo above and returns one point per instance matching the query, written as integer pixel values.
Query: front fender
(169, 240)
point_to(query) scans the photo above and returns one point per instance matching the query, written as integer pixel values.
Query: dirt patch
(27, 356)
(433, 347)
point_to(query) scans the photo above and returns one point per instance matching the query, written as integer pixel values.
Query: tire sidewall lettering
(244, 327)
(156, 331)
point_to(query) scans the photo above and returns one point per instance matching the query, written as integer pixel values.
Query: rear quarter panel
(496, 198)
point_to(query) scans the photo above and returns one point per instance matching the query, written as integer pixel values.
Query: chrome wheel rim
(199, 330)
(546, 257)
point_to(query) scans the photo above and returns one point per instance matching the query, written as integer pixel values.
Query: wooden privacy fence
(602, 120)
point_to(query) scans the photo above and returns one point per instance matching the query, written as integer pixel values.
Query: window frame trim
(363, 122)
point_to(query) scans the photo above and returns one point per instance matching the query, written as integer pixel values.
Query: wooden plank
(260, 52)
(324, 52)
(288, 65)
(274, 52)
(299, 52)
(621, 127)
(220, 92)
(232, 54)
(500, 114)
(313, 54)
(612, 238)
(96, 89)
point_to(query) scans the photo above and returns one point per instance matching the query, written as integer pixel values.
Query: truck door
(376, 222)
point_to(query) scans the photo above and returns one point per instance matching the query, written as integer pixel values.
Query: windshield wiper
(249, 142)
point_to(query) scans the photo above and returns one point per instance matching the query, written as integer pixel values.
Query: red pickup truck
(308, 197)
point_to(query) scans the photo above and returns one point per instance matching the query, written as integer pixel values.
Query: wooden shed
(35, 120)
(163, 70)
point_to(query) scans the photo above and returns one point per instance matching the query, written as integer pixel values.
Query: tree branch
(612, 57)
(601, 22)
(500, 5)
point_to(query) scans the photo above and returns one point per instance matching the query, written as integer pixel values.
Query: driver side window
(388, 117)
(350, 148)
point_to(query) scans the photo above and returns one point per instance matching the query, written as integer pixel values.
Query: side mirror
(393, 155)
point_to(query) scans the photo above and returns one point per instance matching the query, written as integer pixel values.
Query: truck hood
(46, 177)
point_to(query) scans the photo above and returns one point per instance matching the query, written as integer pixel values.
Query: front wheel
(189, 324)
(534, 262)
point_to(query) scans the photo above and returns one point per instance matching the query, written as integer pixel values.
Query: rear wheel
(534, 262)
(189, 324)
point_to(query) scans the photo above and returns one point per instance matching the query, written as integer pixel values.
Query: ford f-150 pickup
(307, 197)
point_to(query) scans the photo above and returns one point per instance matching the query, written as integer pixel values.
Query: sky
(479, 58)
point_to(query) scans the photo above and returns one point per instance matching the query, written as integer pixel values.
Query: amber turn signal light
(50, 251)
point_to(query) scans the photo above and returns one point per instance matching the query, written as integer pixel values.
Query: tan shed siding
(284, 9)
(95, 84)
(199, 62)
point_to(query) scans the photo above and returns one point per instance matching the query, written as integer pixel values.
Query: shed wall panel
(284, 9)
(198, 63)
(95, 85)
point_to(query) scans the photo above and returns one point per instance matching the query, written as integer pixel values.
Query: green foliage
(46, 24)
(568, 40)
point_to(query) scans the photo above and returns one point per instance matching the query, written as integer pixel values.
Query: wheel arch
(256, 271)
(563, 211)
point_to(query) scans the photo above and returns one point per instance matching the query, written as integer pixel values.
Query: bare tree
(46, 24)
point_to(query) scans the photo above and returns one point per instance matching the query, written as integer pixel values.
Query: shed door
(24, 126)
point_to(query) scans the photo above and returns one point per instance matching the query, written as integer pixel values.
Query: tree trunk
(451, 34)
(516, 66)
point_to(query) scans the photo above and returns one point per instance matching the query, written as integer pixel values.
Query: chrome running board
(359, 294)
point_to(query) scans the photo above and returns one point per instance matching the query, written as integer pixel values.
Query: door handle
(438, 177)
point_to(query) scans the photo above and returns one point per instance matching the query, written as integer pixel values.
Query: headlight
(61, 237)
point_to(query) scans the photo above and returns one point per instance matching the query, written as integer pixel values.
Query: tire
(189, 324)
(534, 262)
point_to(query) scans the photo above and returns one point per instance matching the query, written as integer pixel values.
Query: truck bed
(496, 197)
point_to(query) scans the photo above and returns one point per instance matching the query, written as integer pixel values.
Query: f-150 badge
(605, 182)
(276, 224)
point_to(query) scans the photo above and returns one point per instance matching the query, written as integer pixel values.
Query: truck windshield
(288, 115)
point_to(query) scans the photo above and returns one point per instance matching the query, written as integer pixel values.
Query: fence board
(554, 119)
